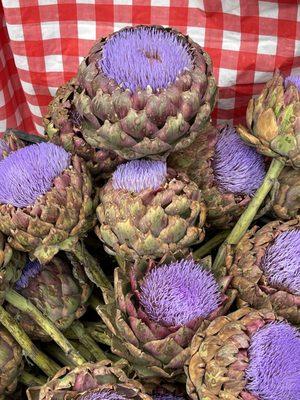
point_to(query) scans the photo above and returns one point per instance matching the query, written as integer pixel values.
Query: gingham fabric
(43, 41)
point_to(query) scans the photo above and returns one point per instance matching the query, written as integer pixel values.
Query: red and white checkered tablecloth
(43, 41)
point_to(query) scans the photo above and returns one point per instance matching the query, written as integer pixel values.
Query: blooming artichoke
(245, 355)
(53, 289)
(10, 362)
(45, 199)
(157, 310)
(265, 268)
(99, 381)
(226, 170)
(273, 120)
(146, 210)
(62, 125)
(144, 91)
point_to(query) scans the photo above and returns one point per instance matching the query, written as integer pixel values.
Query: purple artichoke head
(30, 271)
(292, 80)
(281, 261)
(138, 175)
(29, 172)
(4, 149)
(145, 56)
(238, 168)
(274, 362)
(102, 394)
(178, 293)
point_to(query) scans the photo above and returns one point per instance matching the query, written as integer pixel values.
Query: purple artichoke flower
(31, 270)
(179, 293)
(4, 148)
(281, 261)
(292, 80)
(29, 172)
(137, 58)
(238, 168)
(274, 363)
(102, 394)
(138, 175)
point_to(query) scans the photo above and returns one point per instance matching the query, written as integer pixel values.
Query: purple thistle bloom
(281, 262)
(4, 148)
(238, 168)
(30, 271)
(29, 172)
(101, 394)
(145, 56)
(138, 175)
(292, 80)
(274, 363)
(180, 292)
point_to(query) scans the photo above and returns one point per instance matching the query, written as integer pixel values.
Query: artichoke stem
(93, 270)
(84, 351)
(248, 215)
(61, 357)
(94, 302)
(87, 340)
(18, 301)
(31, 380)
(210, 245)
(48, 366)
(98, 333)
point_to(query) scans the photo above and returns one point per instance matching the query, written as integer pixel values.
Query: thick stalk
(94, 302)
(31, 380)
(210, 245)
(97, 331)
(248, 215)
(18, 301)
(83, 350)
(93, 270)
(60, 356)
(48, 366)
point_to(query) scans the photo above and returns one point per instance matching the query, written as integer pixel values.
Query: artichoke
(45, 199)
(53, 289)
(226, 170)
(147, 211)
(99, 381)
(265, 268)
(9, 143)
(62, 125)
(157, 310)
(243, 356)
(157, 103)
(273, 120)
(11, 364)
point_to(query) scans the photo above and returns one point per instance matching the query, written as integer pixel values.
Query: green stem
(210, 245)
(248, 215)
(94, 302)
(60, 356)
(93, 270)
(84, 351)
(48, 326)
(31, 380)
(87, 340)
(97, 331)
(48, 366)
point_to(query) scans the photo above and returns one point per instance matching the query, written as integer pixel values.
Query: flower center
(292, 80)
(281, 262)
(238, 168)
(138, 175)
(29, 172)
(145, 56)
(178, 293)
(104, 394)
(274, 363)
(30, 271)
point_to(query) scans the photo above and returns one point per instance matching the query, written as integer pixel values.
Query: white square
(120, 25)
(54, 63)
(46, 2)
(123, 2)
(86, 30)
(52, 90)
(297, 46)
(196, 4)
(40, 129)
(268, 9)
(35, 110)
(2, 100)
(226, 104)
(160, 3)
(86, 1)
(231, 7)
(3, 125)
(231, 40)
(262, 76)
(80, 59)
(27, 87)
(15, 32)
(50, 30)
(267, 44)
(197, 34)
(21, 62)
(11, 3)
(227, 77)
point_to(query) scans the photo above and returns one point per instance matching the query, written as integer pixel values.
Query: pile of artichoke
(146, 253)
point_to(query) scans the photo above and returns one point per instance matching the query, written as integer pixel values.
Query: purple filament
(30, 271)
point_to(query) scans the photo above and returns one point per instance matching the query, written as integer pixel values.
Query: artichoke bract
(62, 125)
(147, 210)
(157, 310)
(9, 143)
(99, 381)
(265, 268)
(157, 103)
(53, 289)
(11, 364)
(45, 199)
(227, 171)
(273, 120)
